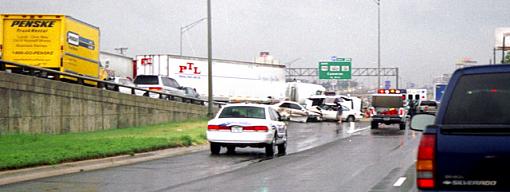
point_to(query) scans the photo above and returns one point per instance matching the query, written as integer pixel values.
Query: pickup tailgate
(473, 161)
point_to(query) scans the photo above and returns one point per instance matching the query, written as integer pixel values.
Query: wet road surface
(322, 156)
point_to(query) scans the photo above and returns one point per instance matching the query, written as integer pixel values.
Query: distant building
(465, 62)
(265, 57)
(117, 65)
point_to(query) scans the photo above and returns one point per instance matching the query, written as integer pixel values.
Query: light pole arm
(187, 27)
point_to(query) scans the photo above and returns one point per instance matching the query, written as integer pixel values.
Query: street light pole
(494, 55)
(186, 28)
(378, 43)
(503, 50)
(209, 61)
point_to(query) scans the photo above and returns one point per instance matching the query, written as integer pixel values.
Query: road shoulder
(14, 176)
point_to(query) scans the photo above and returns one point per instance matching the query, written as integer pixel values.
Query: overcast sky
(424, 38)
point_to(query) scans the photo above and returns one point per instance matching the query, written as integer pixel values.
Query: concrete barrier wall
(35, 105)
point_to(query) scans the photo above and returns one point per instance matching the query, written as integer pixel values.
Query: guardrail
(55, 75)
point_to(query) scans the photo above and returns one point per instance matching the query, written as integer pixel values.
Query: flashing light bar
(391, 91)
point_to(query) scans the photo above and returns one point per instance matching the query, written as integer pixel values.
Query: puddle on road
(303, 136)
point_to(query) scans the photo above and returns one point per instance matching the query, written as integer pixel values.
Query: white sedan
(296, 112)
(247, 125)
(329, 112)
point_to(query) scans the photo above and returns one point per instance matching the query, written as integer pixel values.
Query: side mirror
(420, 121)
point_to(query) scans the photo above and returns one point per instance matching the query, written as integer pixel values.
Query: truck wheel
(215, 148)
(271, 148)
(374, 125)
(402, 126)
(350, 118)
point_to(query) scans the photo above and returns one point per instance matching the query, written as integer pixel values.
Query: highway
(322, 156)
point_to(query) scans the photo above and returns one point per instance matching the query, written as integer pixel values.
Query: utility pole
(209, 61)
(121, 50)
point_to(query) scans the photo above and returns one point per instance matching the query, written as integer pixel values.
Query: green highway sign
(339, 69)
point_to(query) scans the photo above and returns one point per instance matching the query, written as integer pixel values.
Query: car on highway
(296, 112)
(329, 112)
(123, 81)
(191, 92)
(247, 125)
(158, 83)
(427, 106)
(466, 145)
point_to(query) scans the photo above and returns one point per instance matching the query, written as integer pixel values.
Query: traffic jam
(297, 123)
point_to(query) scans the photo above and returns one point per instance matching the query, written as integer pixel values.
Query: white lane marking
(358, 130)
(399, 182)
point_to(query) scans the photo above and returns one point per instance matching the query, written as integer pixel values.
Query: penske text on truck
(55, 42)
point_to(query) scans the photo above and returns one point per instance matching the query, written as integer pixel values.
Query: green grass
(26, 150)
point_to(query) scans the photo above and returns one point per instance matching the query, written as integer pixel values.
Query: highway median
(30, 150)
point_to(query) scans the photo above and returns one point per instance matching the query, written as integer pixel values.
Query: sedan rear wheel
(271, 148)
(282, 148)
(215, 148)
(231, 149)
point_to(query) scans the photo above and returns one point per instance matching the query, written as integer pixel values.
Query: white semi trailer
(300, 92)
(231, 79)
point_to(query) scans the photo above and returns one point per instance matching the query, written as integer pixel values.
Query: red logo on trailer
(189, 67)
(146, 61)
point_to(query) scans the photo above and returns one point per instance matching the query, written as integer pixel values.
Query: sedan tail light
(425, 163)
(217, 127)
(155, 88)
(256, 128)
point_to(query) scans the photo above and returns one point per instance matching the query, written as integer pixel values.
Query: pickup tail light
(256, 128)
(425, 165)
(155, 88)
(217, 127)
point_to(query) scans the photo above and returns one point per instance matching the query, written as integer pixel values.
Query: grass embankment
(25, 150)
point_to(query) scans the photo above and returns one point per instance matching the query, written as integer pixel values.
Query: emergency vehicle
(388, 108)
(416, 94)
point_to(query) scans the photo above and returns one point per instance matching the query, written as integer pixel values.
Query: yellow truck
(57, 42)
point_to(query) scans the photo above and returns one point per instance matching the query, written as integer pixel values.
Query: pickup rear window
(480, 99)
(146, 80)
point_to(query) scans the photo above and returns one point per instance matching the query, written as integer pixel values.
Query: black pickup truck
(466, 146)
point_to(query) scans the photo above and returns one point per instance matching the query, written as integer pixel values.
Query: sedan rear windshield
(243, 112)
(480, 99)
(146, 80)
(428, 103)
